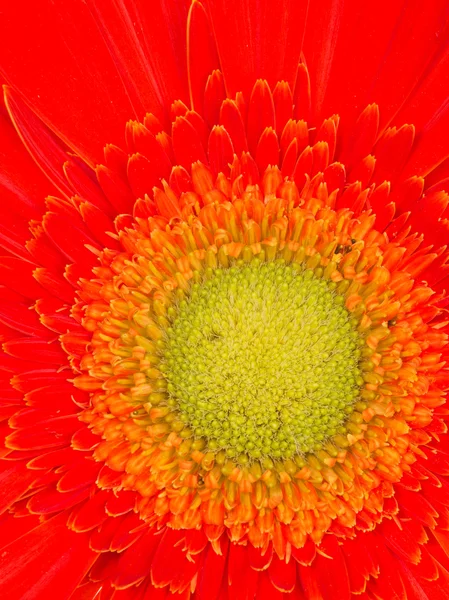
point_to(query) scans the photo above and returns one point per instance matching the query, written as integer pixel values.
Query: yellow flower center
(261, 360)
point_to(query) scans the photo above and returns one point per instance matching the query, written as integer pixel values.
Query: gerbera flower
(224, 300)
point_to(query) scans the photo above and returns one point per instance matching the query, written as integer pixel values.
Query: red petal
(430, 150)
(422, 590)
(59, 396)
(121, 503)
(55, 285)
(166, 203)
(85, 439)
(430, 95)
(147, 43)
(30, 416)
(392, 151)
(332, 34)
(144, 174)
(220, 150)
(283, 105)
(328, 133)
(302, 93)
(267, 590)
(210, 577)
(364, 134)
(411, 49)
(363, 171)
(260, 113)
(56, 458)
(303, 166)
(187, 143)
(360, 564)
(336, 582)
(24, 186)
(427, 567)
(202, 56)
(309, 583)
(134, 565)
(14, 232)
(105, 568)
(116, 189)
(50, 500)
(290, 157)
(214, 96)
(100, 540)
(90, 514)
(267, 152)
(416, 506)
(408, 192)
(257, 36)
(85, 473)
(84, 184)
(46, 149)
(42, 250)
(282, 574)
(37, 350)
(196, 541)
(99, 225)
(305, 555)
(49, 561)
(385, 215)
(28, 381)
(335, 177)
(51, 434)
(231, 119)
(320, 153)
(349, 197)
(67, 94)
(87, 591)
(68, 238)
(170, 564)
(400, 541)
(242, 579)
(15, 479)
(127, 532)
(438, 463)
(17, 274)
(108, 479)
(22, 318)
(259, 561)
(14, 527)
(389, 584)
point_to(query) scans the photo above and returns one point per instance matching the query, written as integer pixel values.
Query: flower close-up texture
(224, 300)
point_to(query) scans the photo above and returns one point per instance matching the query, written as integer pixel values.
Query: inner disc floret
(262, 360)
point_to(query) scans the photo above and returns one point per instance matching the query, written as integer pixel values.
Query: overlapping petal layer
(249, 162)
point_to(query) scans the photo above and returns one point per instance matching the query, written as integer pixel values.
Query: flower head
(225, 342)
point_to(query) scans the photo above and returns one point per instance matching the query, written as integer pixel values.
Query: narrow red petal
(220, 150)
(15, 479)
(260, 112)
(187, 143)
(37, 350)
(231, 119)
(214, 96)
(134, 565)
(45, 148)
(282, 574)
(49, 561)
(202, 56)
(256, 36)
(210, 577)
